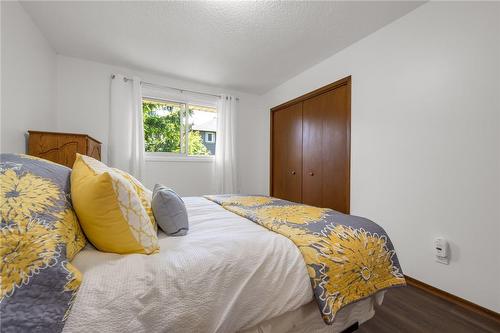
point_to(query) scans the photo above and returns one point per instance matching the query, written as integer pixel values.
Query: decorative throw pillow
(169, 211)
(144, 194)
(112, 207)
(39, 235)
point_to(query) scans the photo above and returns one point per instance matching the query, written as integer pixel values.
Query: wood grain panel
(69, 145)
(287, 153)
(278, 169)
(294, 156)
(317, 92)
(335, 150)
(62, 147)
(94, 149)
(326, 117)
(44, 146)
(326, 150)
(312, 173)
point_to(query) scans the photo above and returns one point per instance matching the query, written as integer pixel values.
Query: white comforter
(226, 274)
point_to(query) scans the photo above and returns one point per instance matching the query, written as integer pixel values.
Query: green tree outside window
(163, 129)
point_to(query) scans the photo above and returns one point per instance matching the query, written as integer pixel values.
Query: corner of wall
(28, 75)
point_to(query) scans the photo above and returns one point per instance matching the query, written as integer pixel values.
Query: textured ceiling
(247, 46)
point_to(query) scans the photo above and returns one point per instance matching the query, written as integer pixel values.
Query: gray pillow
(169, 211)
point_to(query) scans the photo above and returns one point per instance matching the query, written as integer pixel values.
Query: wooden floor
(409, 309)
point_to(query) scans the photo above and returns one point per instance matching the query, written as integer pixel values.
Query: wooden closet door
(287, 153)
(326, 150)
(312, 167)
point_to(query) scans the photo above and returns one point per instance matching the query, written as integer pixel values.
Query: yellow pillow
(113, 207)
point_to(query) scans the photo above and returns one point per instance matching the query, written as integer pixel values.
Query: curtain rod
(167, 87)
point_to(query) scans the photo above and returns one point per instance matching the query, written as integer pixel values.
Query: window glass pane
(202, 127)
(163, 127)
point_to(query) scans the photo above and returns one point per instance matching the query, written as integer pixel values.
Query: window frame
(207, 135)
(183, 156)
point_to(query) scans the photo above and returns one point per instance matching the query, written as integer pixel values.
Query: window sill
(166, 157)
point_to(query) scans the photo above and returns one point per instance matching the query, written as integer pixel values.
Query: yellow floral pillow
(113, 207)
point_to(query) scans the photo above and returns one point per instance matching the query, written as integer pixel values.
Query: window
(178, 128)
(210, 137)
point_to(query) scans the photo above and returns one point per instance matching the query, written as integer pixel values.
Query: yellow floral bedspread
(348, 258)
(39, 235)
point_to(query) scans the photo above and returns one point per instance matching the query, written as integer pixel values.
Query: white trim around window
(210, 135)
(175, 157)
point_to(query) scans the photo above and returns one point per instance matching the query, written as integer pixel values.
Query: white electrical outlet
(441, 249)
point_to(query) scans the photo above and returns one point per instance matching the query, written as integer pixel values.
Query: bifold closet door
(326, 150)
(287, 153)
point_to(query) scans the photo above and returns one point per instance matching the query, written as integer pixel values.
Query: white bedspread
(226, 274)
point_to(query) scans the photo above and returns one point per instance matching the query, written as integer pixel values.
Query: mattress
(227, 274)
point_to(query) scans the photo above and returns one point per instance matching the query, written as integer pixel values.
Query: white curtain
(225, 153)
(126, 128)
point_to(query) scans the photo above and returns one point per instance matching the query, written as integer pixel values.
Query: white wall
(425, 140)
(83, 107)
(28, 77)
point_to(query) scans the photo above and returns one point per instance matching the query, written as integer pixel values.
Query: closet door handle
(311, 173)
(293, 172)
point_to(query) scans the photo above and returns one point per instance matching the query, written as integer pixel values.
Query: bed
(228, 274)
(248, 264)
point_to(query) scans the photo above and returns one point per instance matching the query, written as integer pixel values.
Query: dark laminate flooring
(409, 309)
